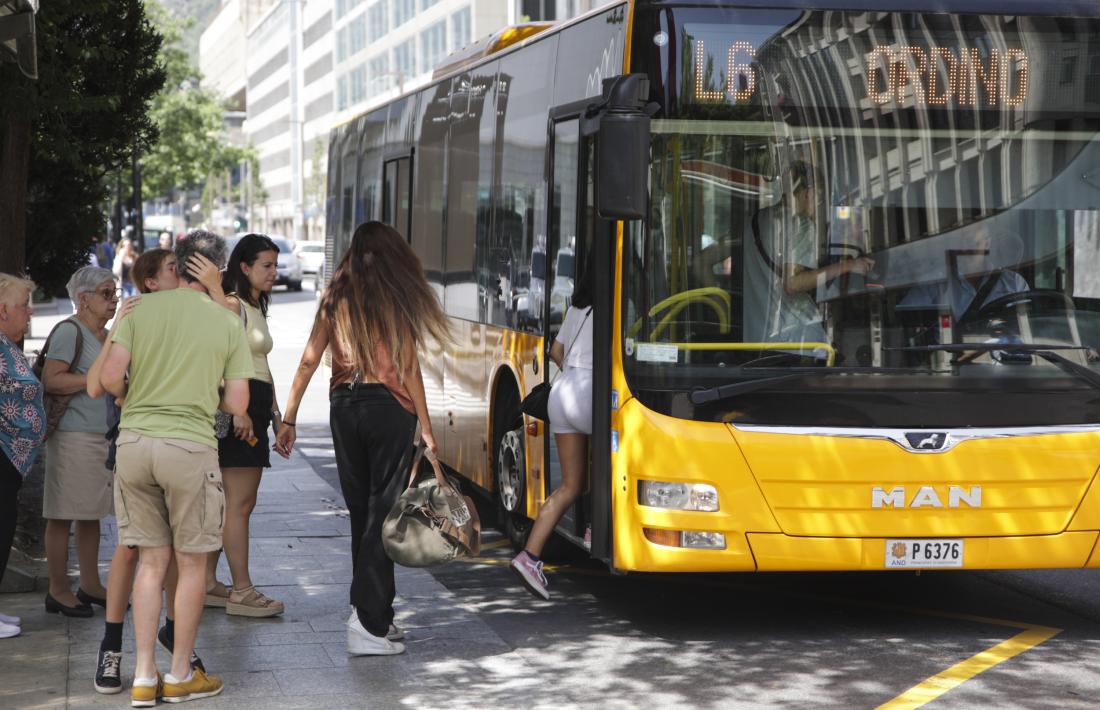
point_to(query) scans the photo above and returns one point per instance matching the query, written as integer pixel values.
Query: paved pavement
(299, 552)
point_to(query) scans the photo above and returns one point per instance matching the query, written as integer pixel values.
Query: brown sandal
(217, 595)
(251, 602)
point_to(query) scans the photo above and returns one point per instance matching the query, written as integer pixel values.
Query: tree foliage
(97, 71)
(192, 146)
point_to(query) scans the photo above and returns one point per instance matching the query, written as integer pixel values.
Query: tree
(192, 148)
(97, 72)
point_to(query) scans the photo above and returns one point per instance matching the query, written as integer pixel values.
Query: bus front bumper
(776, 552)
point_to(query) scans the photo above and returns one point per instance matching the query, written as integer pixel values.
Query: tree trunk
(15, 153)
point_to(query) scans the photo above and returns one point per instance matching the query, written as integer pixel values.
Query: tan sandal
(251, 602)
(217, 595)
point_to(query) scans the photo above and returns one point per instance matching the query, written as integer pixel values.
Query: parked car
(313, 256)
(289, 268)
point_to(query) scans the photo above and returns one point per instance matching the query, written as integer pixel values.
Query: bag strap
(240, 307)
(76, 350)
(420, 450)
(572, 343)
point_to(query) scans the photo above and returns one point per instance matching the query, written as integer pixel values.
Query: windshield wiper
(734, 389)
(1047, 352)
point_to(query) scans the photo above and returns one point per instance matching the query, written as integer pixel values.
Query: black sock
(170, 630)
(112, 637)
(533, 557)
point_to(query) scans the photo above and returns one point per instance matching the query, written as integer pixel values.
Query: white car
(313, 256)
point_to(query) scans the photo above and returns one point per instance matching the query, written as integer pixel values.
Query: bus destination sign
(923, 77)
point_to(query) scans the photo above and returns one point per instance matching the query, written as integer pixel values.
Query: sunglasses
(109, 294)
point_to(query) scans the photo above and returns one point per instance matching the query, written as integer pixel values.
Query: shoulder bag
(431, 523)
(537, 403)
(57, 404)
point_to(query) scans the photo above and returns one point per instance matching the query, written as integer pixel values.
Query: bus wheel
(512, 488)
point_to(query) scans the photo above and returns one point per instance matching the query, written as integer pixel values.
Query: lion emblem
(898, 550)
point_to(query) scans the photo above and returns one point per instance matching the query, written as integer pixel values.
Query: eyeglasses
(109, 294)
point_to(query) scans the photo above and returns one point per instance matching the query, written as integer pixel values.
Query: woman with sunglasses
(78, 483)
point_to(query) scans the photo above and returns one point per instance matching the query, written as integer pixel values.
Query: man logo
(926, 497)
(926, 441)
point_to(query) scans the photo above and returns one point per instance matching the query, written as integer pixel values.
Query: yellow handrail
(683, 299)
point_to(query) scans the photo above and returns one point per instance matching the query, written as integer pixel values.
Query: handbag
(431, 523)
(55, 405)
(537, 402)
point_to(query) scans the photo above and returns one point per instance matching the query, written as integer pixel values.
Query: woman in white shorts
(570, 413)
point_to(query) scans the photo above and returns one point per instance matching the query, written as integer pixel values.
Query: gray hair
(85, 280)
(199, 241)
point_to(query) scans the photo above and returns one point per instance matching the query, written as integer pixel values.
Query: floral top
(22, 418)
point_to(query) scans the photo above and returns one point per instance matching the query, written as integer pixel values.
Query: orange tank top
(344, 372)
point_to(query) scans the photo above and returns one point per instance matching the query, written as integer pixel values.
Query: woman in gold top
(244, 452)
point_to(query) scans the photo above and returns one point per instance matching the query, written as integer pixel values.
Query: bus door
(564, 252)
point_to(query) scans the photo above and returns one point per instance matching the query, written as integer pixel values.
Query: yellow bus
(847, 258)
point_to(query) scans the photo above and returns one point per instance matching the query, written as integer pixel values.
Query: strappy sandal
(217, 595)
(251, 602)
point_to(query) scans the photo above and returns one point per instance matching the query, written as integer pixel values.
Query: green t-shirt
(182, 345)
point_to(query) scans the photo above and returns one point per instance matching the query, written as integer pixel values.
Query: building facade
(296, 68)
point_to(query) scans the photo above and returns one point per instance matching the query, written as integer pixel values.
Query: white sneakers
(363, 643)
(10, 620)
(9, 630)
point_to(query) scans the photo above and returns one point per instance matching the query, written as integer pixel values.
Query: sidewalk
(300, 554)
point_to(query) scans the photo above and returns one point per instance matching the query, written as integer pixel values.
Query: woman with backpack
(376, 313)
(78, 483)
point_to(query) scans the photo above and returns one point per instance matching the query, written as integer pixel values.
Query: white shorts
(570, 406)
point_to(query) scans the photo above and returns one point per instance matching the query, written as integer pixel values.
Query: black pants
(370, 432)
(10, 483)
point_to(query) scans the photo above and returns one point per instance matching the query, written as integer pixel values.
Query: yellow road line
(496, 544)
(959, 673)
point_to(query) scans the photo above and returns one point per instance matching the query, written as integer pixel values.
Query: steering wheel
(1012, 299)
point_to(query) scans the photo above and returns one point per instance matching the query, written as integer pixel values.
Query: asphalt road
(951, 639)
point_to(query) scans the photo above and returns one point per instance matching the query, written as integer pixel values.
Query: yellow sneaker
(200, 686)
(144, 692)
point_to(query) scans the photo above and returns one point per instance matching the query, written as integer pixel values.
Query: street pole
(139, 209)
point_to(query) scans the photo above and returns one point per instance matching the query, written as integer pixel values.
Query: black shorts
(234, 453)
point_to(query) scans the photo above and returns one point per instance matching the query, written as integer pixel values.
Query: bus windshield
(851, 198)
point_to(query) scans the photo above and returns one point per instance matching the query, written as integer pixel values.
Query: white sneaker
(363, 643)
(396, 633)
(9, 630)
(10, 620)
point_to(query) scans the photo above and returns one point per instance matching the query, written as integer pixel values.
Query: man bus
(941, 412)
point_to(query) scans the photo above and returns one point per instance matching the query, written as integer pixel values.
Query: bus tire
(511, 484)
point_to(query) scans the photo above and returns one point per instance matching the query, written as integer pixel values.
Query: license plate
(902, 554)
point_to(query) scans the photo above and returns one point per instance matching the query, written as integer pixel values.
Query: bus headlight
(703, 540)
(678, 496)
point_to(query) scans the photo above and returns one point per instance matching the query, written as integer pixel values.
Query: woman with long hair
(570, 413)
(244, 452)
(376, 313)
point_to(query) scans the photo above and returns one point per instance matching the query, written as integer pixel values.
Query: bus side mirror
(622, 166)
(622, 147)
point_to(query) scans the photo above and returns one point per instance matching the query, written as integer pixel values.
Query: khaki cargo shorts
(168, 492)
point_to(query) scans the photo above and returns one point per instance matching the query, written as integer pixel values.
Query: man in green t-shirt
(178, 346)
